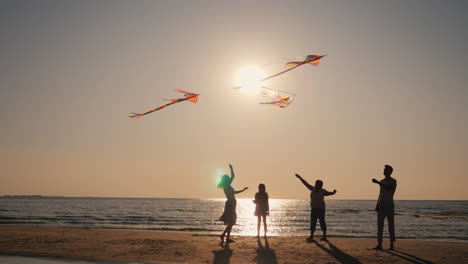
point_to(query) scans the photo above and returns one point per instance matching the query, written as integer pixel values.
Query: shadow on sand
(265, 255)
(223, 256)
(338, 254)
(408, 257)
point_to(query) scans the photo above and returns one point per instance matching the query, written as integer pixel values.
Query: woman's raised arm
(232, 172)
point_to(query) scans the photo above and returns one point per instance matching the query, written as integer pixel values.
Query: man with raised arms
(385, 206)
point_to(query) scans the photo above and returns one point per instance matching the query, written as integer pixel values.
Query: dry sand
(172, 247)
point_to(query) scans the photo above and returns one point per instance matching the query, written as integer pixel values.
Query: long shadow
(408, 257)
(223, 256)
(265, 255)
(338, 254)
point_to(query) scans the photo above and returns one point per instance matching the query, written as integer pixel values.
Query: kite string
(279, 73)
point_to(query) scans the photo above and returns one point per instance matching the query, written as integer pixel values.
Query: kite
(310, 59)
(188, 96)
(279, 98)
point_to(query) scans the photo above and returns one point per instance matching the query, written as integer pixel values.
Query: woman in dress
(262, 208)
(229, 216)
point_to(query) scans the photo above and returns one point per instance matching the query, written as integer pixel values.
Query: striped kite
(188, 96)
(310, 59)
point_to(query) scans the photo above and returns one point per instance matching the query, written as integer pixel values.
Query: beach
(145, 246)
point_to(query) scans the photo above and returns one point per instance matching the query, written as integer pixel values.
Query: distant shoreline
(215, 198)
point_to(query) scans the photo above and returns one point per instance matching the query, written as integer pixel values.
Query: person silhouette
(223, 256)
(317, 204)
(262, 208)
(229, 216)
(265, 254)
(385, 206)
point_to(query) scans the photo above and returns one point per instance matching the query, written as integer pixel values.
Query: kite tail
(135, 116)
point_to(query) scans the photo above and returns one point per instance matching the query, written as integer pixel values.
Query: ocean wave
(184, 229)
(442, 215)
(348, 211)
(160, 228)
(8, 217)
(22, 223)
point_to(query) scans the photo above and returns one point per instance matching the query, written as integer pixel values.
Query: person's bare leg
(258, 225)
(313, 223)
(323, 226)
(228, 237)
(264, 225)
(222, 235)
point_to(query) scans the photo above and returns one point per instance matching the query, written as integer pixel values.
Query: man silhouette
(385, 206)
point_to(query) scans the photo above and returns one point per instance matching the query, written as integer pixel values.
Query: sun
(249, 78)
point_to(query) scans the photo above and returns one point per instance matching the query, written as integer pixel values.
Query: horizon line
(204, 198)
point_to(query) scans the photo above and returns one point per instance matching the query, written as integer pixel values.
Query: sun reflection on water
(246, 218)
(276, 222)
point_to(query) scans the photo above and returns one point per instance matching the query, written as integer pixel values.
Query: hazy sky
(392, 90)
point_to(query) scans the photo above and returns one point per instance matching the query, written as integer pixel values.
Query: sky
(392, 90)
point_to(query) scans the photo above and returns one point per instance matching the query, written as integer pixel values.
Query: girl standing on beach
(229, 216)
(262, 209)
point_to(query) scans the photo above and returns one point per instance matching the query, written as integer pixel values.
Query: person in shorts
(317, 204)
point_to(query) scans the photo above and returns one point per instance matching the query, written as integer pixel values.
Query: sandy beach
(176, 247)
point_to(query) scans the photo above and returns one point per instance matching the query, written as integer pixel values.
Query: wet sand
(121, 245)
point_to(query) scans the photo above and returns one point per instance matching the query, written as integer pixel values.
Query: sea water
(423, 220)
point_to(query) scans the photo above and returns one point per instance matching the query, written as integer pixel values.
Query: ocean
(422, 220)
